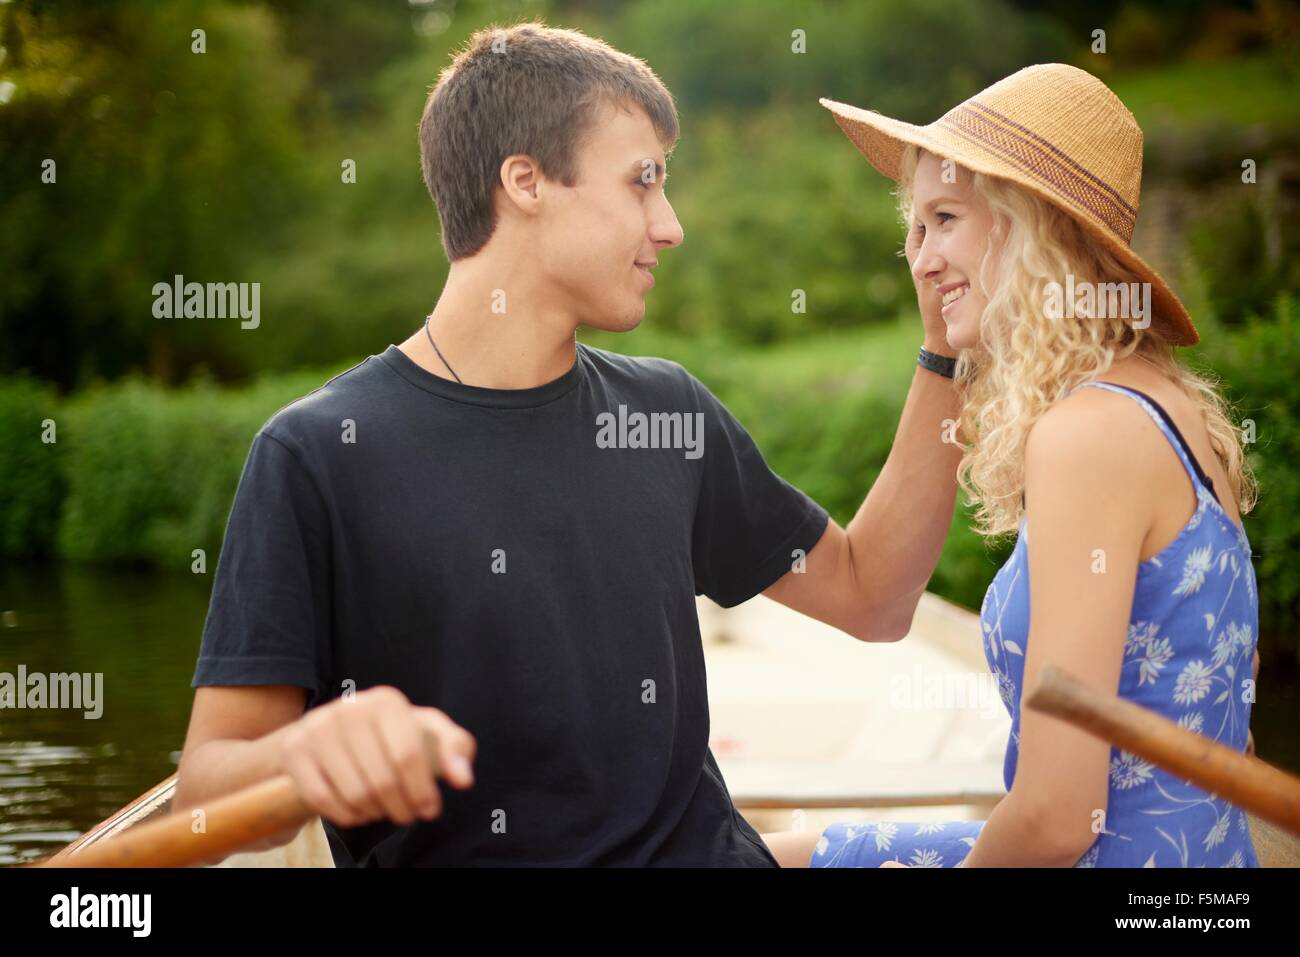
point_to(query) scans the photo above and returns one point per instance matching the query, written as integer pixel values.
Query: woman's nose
(928, 263)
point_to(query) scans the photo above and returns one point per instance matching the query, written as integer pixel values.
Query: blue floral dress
(1188, 656)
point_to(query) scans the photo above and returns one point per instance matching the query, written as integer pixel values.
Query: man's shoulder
(654, 375)
(325, 408)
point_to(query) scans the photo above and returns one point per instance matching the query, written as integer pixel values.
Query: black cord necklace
(437, 350)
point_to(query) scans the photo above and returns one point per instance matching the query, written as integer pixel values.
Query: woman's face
(947, 241)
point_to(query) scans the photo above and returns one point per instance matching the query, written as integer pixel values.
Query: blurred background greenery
(226, 166)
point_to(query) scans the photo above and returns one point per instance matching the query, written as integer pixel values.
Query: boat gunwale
(153, 802)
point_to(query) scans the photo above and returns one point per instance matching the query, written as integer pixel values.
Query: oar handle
(229, 824)
(1245, 781)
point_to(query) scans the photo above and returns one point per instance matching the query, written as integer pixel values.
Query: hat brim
(882, 140)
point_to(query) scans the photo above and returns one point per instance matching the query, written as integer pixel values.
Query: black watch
(944, 365)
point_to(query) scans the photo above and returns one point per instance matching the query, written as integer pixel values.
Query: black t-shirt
(525, 560)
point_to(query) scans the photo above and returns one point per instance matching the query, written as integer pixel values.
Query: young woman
(1120, 469)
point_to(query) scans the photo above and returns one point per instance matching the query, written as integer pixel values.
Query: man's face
(600, 237)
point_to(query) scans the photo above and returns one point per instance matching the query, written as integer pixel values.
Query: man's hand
(928, 302)
(363, 759)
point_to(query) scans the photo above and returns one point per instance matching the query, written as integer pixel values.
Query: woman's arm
(1090, 500)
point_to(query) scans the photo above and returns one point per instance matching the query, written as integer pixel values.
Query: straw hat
(1057, 131)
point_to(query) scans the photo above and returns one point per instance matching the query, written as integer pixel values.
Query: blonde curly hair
(1026, 361)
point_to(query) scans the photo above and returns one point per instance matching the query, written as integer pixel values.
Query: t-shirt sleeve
(268, 619)
(749, 521)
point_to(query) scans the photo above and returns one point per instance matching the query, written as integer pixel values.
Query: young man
(493, 535)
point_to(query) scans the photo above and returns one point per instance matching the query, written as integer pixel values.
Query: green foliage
(912, 60)
(167, 162)
(1246, 247)
(151, 473)
(746, 203)
(1248, 91)
(1258, 365)
(226, 165)
(31, 480)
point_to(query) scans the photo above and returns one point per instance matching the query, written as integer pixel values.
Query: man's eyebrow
(639, 167)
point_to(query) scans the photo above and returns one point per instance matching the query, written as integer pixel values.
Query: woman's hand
(892, 864)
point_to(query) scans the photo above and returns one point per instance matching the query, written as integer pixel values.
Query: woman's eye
(944, 217)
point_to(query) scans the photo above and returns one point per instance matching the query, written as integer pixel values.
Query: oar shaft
(1245, 781)
(181, 839)
(227, 824)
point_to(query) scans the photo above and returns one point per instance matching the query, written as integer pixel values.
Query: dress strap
(1167, 426)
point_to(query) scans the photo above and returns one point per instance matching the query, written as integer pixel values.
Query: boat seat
(770, 785)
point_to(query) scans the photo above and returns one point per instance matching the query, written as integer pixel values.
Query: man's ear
(520, 178)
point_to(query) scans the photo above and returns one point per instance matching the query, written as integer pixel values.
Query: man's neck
(494, 335)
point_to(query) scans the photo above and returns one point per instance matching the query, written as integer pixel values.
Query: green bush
(1246, 247)
(151, 472)
(1257, 364)
(31, 481)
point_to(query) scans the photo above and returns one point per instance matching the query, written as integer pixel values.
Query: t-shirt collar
(408, 369)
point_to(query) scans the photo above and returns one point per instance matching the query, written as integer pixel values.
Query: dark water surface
(61, 772)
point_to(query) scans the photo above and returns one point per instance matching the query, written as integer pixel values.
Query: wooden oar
(1245, 781)
(230, 824)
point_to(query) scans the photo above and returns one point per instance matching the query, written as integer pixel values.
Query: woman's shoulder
(1096, 428)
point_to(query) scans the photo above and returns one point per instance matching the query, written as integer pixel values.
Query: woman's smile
(952, 296)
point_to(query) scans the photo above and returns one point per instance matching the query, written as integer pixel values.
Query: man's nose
(666, 232)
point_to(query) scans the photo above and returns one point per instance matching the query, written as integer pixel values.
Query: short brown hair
(529, 89)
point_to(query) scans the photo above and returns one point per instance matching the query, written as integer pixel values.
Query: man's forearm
(897, 535)
(217, 768)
